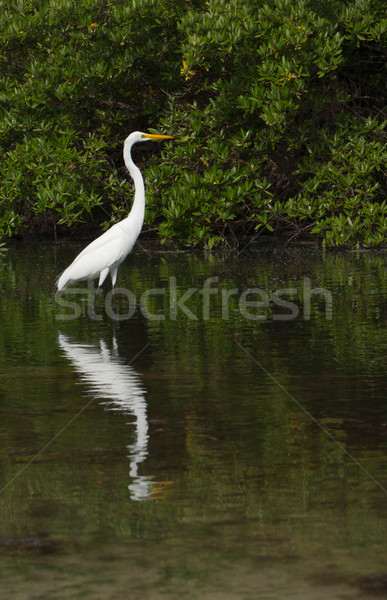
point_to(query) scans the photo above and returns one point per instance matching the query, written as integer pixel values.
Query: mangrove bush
(278, 109)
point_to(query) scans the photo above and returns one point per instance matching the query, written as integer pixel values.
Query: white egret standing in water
(105, 254)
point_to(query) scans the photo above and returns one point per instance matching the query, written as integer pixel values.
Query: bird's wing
(100, 242)
(89, 265)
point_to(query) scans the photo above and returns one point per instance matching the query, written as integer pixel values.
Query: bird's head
(139, 136)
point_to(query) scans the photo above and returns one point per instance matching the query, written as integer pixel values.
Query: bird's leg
(114, 300)
(102, 276)
(91, 305)
(113, 274)
(97, 293)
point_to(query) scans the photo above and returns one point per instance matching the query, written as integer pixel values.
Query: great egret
(105, 254)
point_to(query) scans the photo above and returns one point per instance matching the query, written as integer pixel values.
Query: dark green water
(216, 444)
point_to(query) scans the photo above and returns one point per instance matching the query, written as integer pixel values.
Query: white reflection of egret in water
(111, 379)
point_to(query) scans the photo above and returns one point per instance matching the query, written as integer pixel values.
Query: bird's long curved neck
(138, 207)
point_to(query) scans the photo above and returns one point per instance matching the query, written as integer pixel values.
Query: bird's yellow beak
(155, 136)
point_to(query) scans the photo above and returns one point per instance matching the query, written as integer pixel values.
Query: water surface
(212, 443)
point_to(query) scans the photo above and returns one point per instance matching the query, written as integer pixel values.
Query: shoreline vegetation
(278, 112)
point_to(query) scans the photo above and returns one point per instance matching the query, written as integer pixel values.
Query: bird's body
(101, 257)
(105, 254)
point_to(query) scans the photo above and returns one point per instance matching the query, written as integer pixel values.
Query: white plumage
(105, 254)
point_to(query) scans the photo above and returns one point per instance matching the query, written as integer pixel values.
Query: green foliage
(278, 109)
(75, 78)
(285, 125)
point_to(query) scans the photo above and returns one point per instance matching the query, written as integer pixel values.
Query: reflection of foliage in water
(229, 443)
